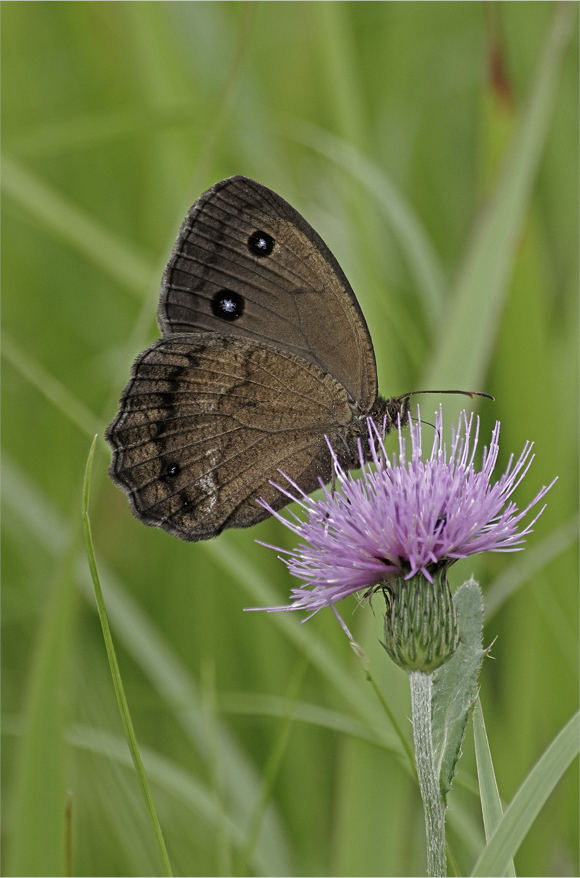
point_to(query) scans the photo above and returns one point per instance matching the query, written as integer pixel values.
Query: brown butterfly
(265, 352)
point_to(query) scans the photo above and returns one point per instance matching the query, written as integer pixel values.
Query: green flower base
(421, 631)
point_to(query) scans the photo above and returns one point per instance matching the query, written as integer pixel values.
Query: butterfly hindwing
(206, 422)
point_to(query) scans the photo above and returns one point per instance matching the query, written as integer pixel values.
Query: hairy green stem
(428, 779)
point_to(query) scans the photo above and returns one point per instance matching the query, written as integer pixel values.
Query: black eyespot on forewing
(171, 470)
(227, 305)
(260, 243)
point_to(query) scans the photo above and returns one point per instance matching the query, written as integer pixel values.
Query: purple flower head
(404, 517)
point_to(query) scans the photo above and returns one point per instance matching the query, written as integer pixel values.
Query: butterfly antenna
(470, 393)
(429, 424)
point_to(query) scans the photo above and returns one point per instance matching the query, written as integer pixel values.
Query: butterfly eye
(260, 243)
(227, 305)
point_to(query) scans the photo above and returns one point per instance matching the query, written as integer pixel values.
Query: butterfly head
(389, 414)
(386, 414)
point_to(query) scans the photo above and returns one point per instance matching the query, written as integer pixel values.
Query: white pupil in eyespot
(228, 305)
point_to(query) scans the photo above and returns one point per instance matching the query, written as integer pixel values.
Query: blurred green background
(434, 146)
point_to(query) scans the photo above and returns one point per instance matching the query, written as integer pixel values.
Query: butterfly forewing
(247, 265)
(207, 421)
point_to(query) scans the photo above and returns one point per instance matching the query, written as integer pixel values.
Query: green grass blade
(320, 656)
(392, 719)
(175, 780)
(466, 825)
(87, 130)
(28, 511)
(531, 561)
(171, 679)
(475, 308)
(115, 673)
(273, 764)
(528, 801)
(491, 806)
(156, 658)
(69, 223)
(406, 226)
(39, 840)
(250, 703)
(51, 388)
(342, 73)
(227, 99)
(223, 846)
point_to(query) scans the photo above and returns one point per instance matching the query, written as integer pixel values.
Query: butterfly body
(265, 354)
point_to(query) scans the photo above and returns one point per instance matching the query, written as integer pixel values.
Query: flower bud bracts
(421, 630)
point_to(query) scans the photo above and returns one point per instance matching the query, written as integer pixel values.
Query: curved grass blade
(403, 221)
(491, 806)
(175, 780)
(115, 673)
(51, 388)
(528, 801)
(530, 562)
(38, 842)
(34, 516)
(305, 640)
(69, 223)
(475, 307)
(272, 767)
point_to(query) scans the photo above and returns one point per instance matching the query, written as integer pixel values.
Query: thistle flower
(404, 518)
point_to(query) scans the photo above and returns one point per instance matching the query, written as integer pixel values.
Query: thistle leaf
(454, 685)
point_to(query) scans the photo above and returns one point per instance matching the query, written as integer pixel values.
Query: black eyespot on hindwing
(227, 305)
(260, 243)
